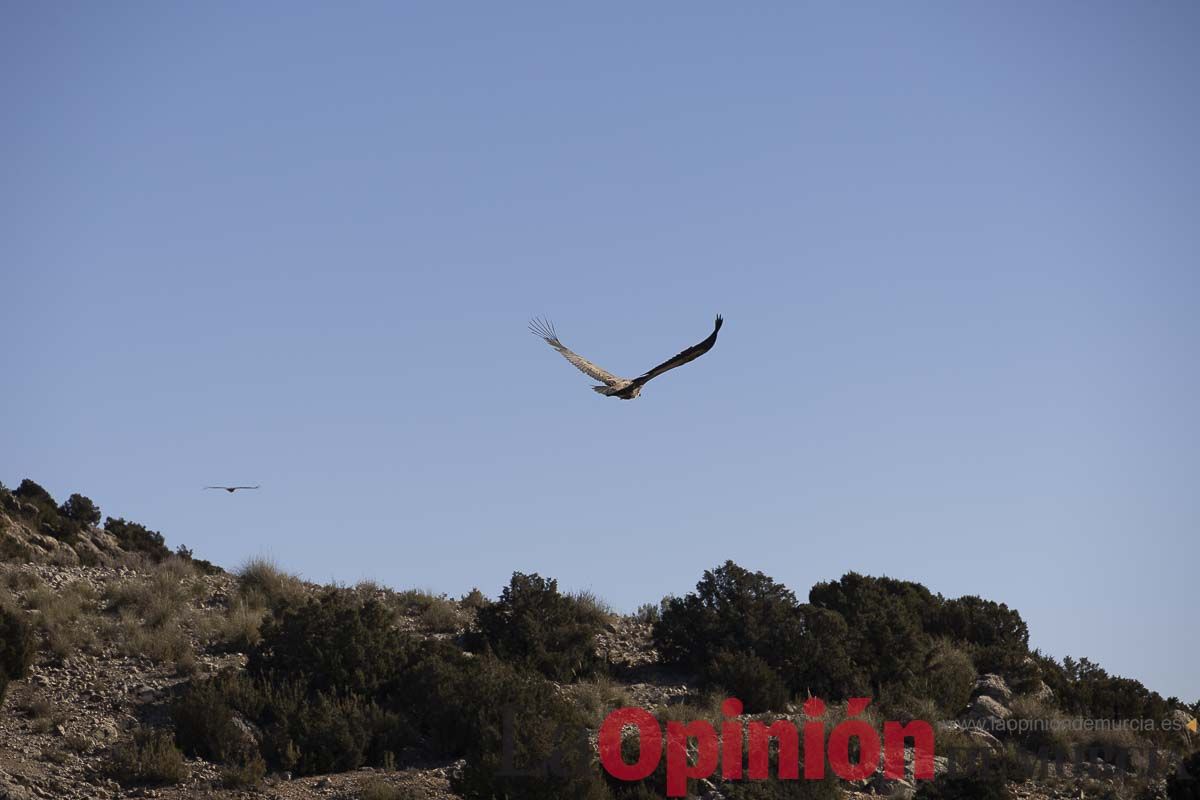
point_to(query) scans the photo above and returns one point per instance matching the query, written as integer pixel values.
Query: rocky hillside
(154, 674)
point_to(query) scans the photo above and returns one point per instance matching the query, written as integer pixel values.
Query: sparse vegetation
(150, 757)
(60, 614)
(648, 613)
(150, 612)
(340, 678)
(376, 788)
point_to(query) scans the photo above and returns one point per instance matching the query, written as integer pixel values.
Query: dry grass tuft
(377, 788)
(262, 584)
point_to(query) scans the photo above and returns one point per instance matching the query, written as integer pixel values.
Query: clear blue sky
(956, 246)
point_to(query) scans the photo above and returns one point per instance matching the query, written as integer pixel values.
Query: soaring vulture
(231, 489)
(624, 388)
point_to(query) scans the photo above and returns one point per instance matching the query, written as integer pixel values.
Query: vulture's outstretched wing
(691, 354)
(545, 330)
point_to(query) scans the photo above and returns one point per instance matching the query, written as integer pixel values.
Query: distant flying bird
(624, 388)
(231, 489)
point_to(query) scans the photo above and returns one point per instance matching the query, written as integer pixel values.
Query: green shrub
(18, 646)
(884, 618)
(980, 622)
(750, 679)
(473, 599)
(1083, 688)
(737, 611)
(478, 694)
(648, 613)
(535, 626)
(316, 686)
(441, 616)
(81, 510)
(334, 686)
(947, 678)
(203, 717)
(48, 518)
(31, 492)
(327, 733)
(204, 567)
(151, 757)
(334, 642)
(137, 538)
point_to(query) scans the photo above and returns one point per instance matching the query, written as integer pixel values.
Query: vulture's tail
(600, 389)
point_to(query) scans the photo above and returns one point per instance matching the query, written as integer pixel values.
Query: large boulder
(1043, 693)
(992, 686)
(1180, 720)
(987, 714)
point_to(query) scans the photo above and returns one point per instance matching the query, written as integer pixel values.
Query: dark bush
(739, 611)
(535, 626)
(326, 732)
(1084, 688)
(750, 679)
(884, 617)
(137, 538)
(205, 567)
(81, 510)
(48, 518)
(1185, 784)
(473, 599)
(33, 493)
(980, 622)
(203, 716)
(304, 732)
(995, 635)
(732, 609)
(543, 725)
(824, 667)
(18, 646)
(336, 642)
(332, 690)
